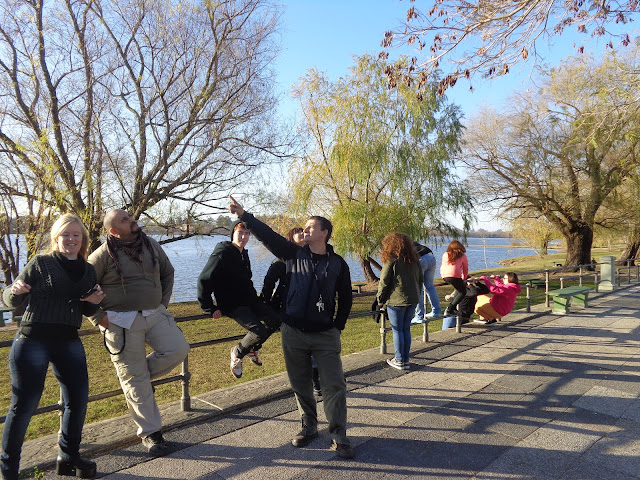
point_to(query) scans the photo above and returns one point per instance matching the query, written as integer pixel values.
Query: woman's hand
(19, 287)
(96, 297)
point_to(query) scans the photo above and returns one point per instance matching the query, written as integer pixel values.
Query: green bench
(562, 298)
(356, 287)
(534, 282)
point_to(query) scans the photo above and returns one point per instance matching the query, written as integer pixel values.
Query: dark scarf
(134, 250)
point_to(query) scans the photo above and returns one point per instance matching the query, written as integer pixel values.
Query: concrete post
(608, 273)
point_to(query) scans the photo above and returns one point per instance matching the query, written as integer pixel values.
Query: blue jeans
(428, 264)
(400, 319)
(28, 363)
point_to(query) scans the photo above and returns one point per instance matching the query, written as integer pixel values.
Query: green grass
(209, 365)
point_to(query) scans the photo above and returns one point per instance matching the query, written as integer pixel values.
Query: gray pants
(325, 347)
(135, 369)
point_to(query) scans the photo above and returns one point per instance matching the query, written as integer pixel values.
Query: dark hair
(325, 224)
(290, 234)
(455, 250)
(400, 246)
(512, 277)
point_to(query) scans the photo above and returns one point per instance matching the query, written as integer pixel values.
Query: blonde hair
(60, 224)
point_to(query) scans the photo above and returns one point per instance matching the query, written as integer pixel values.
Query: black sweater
(227, 275)
(54, 298)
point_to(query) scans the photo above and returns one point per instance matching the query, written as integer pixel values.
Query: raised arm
(275, 243)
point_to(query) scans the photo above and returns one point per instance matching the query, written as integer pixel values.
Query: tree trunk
(630, 251)
(366, 268)
(579, 242)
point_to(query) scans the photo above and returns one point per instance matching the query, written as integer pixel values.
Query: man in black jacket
(312, 323)
(227, 275)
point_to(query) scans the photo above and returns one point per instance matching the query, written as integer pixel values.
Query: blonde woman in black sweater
(59, 288)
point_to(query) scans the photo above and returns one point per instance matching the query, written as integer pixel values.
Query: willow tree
(563, 150)
(377, 160)
(158, 107)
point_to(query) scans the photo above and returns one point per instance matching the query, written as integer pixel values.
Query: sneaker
(493, 320)
(236, 364)
(449, 296)
(405, 366)
(416, 321)
(156, 444)
(395, 363)
(479, 320)
(344, 450)
(253, 356)
(431, 315)
(450, 311)
(303, 439)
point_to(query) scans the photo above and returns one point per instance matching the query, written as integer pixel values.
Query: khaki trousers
(135, 369)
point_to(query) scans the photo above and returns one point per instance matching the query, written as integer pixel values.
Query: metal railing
(627, 266)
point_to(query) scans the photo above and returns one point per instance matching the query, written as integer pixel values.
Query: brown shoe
(344, 450)
(303, 439)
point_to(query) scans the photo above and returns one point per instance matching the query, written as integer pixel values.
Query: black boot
(79, 467)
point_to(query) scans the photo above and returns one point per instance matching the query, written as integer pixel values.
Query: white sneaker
(253, 356)
(236, 364)
(395, 364)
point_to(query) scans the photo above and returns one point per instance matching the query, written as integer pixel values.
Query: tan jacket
(138, 288)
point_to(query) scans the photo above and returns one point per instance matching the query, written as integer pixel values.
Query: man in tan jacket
(137, 278)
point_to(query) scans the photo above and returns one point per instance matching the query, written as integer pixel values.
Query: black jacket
(329, 279)
(422, 249)
(227, 275)
(272, 295)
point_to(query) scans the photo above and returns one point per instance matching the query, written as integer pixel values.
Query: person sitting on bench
(504, 292)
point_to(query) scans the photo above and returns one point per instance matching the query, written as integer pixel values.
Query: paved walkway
(538, 397)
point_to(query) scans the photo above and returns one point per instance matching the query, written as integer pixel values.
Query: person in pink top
(454, 270)
(504, 292)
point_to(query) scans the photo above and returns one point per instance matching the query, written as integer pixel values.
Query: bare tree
(489, 37)
(561, 151)
(151, 106)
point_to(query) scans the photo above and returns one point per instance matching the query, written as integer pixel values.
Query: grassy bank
(210, 365)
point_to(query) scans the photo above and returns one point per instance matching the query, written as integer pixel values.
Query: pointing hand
(235, 207)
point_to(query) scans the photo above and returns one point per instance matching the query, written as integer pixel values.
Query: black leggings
(461, 290)
(261, 321)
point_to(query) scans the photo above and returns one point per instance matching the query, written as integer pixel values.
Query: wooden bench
(356, 287)
(562, 298)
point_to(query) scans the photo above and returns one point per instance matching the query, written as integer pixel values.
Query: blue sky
(326, 34)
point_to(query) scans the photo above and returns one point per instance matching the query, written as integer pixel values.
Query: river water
(189, 257)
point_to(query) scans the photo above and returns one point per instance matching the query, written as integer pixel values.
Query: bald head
(109, 218)
(121, 225)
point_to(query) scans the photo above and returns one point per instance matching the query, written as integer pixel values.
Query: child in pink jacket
(502, 300)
